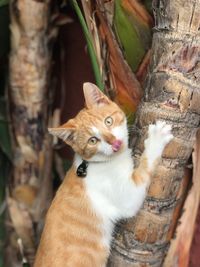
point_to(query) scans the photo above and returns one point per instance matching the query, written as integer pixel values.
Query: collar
(82, 169)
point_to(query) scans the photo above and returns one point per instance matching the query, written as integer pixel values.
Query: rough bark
(30, 58)
(172, 94)
(179, 250)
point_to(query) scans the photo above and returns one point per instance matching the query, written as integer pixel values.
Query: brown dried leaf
(128, 89)
(22, 222)
(142, 69)
(59, 19)
(45, 192)
(26, 149)
(92, 27)
(136, 8)
(25, 194)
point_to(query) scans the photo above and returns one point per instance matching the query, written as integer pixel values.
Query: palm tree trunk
(179, 250)
(30, 187)
(172, 94)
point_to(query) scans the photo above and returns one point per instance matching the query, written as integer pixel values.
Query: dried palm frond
(129, 19)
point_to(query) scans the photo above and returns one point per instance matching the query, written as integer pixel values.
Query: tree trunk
(179, 251)
(30, 186)
(172, 94)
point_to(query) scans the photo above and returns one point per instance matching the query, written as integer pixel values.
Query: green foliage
(3, 2)
(134, 35)
(91, 49)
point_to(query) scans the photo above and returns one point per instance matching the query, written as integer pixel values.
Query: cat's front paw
(159, 135)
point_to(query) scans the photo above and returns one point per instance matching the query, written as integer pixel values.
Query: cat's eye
(108, 121)
(92, 141)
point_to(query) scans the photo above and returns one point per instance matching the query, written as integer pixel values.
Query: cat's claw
(159, 135)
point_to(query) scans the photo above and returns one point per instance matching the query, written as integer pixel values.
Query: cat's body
(73, 234)
(81, 219)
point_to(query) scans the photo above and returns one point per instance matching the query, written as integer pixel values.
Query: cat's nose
(116, 145)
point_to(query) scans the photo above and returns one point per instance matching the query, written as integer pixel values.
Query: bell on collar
(82, 169)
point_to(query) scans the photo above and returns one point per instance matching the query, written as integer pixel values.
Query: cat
(102, 185)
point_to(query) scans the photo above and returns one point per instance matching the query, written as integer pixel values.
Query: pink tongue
(116, 145)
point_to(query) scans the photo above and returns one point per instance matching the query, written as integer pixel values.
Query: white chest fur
(111, 190)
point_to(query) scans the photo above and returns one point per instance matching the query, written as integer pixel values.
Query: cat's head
(99, 131)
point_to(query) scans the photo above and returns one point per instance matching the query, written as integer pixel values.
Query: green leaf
(134, 35)
(91, 49)
(4, 2)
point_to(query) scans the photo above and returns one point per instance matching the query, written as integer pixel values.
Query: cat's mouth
(116, 145)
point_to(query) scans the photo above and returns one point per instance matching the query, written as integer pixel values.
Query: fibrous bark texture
(179, 251)
(30, 186)
(172, 94)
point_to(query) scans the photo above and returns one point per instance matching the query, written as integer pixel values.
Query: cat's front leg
(159, 135)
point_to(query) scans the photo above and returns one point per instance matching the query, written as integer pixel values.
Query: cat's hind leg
(80, 260)
(84, 259)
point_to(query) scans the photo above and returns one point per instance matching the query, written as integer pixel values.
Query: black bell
(82, 169)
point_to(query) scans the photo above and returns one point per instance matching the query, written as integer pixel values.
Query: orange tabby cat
(100, 188)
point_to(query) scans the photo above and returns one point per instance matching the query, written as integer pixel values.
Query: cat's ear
(65, 131)
(94, 96)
